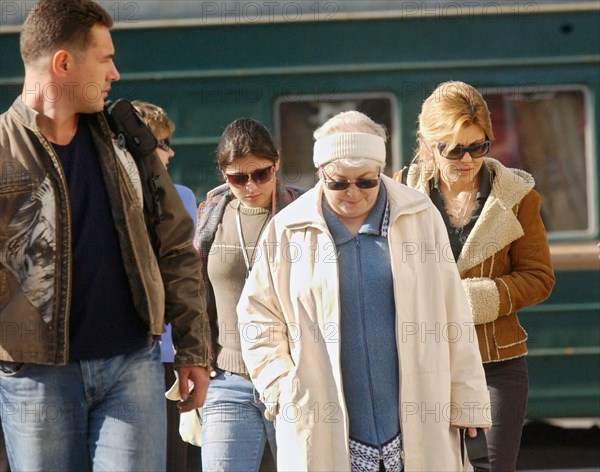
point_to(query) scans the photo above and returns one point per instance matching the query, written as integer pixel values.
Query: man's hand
(194, 398)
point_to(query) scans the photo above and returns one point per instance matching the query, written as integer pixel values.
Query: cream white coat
(289, 323)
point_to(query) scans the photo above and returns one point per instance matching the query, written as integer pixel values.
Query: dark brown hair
(242, 137)
(54, 24)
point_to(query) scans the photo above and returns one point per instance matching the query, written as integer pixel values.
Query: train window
(297, 118)
(543, 131)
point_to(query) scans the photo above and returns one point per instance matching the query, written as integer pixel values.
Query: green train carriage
(294, 65)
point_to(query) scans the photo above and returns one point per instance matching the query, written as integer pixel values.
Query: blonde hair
(352, 122)
(155, 118)
(451, 107)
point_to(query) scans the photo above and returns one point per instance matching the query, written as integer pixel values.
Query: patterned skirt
(365, 457)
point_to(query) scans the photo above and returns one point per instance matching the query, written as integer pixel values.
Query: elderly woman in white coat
(354, 324)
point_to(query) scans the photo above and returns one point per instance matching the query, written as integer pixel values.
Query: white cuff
(484, 299)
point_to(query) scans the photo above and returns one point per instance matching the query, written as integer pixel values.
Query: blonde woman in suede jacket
(498, 239)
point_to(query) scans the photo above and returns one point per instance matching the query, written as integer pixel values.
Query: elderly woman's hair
(451, 107)
(351, 122)
(155, 118)
(243, 137)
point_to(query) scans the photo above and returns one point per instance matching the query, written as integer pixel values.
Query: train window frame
(393, 161)
(589, 144)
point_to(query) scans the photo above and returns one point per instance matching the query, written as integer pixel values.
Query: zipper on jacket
(390, 248)
(106, 131)
(365, 344)
(63, 188)
(325, 230)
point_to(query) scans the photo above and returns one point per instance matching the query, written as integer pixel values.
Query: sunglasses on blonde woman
(344, 184)
(475, 150)
(259, 177)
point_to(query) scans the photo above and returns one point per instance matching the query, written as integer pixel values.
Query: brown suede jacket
(505, 263)
(35, 247)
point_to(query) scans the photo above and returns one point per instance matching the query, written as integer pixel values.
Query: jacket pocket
(287, 406)
(518, 336)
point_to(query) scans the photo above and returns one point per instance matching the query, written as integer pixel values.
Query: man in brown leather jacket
(83, 297)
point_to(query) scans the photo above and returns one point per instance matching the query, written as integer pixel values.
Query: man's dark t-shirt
(103, 319)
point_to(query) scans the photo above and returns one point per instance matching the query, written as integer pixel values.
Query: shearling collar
(497, 225)
(509, 185)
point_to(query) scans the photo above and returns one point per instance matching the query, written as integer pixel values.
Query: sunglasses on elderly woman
(164, 144)
(344, 184)
(475, 150)
(259, 177)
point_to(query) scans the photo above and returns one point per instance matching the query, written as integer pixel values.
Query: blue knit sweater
(369, 355)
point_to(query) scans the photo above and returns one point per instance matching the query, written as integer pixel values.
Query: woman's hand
(472, 432)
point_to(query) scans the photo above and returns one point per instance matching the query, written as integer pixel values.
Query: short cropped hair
(54, 24)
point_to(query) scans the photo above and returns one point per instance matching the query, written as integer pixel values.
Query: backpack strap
(134, 138)
(404, 175)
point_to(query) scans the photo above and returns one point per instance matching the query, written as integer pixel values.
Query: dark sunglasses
(165, 144)
(259, 177)
(344, 184)
(475, 151)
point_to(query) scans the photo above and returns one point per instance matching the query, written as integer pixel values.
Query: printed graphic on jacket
(30, 245)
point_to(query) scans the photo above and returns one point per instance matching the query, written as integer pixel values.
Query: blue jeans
(234, 428)
(106, 414)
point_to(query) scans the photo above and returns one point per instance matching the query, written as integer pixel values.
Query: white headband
(348, 146)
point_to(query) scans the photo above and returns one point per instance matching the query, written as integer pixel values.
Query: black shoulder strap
(132, 133)
(125, 121)
(404, 175)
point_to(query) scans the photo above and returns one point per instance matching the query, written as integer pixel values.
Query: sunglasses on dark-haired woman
(259, 177)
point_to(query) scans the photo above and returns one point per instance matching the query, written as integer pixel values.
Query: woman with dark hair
(230, 223)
